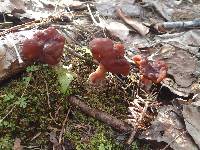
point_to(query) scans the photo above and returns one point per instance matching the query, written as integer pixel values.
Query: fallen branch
(163, 27)
(102, 116)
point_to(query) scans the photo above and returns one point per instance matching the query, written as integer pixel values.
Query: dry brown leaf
(174, 10)
(139, 27)
(169, 128)
(107, 7)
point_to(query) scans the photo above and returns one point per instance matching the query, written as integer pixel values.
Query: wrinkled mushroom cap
(110, 55)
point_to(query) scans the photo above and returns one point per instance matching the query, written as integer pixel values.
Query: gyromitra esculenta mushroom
(154, 71)
(45, 46)
(110, 57)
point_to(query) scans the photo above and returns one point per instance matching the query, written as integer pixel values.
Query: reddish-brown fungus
(154, 71)
(110, 57)
(98, 75)
(45, 46)
(31, 49)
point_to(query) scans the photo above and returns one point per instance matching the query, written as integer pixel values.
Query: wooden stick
(102, 116)
(162, 27)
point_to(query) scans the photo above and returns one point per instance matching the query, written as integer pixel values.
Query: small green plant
(8, 97)
(6, 124)
(99, 142)
(22, 102)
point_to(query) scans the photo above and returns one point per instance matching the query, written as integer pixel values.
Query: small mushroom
(154, 71)
(110, 57)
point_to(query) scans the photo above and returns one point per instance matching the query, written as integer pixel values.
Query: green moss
(6, 143)
(40, 107)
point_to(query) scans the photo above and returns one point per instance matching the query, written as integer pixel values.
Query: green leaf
(64, 79)
(22, 102)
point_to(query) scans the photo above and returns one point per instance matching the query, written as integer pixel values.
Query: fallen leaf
(107, 7)
(174, 10)
(168, 127)
(139, 27)
(64, 78)
(118, 29)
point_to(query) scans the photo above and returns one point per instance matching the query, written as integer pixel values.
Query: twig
(143, 112)
(49, 104)
(8, 112)
(63, 127)
(37, 135)
(34, 23)
(53, 119)
(102, 116)
(163, 27)
(173, 140)
(100, 24)
(47, 90)
(33, 147)
(131, 137)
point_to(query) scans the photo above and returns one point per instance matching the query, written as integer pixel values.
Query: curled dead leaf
(138, 26)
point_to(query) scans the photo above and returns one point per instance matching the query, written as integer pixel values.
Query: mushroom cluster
(45, 46)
